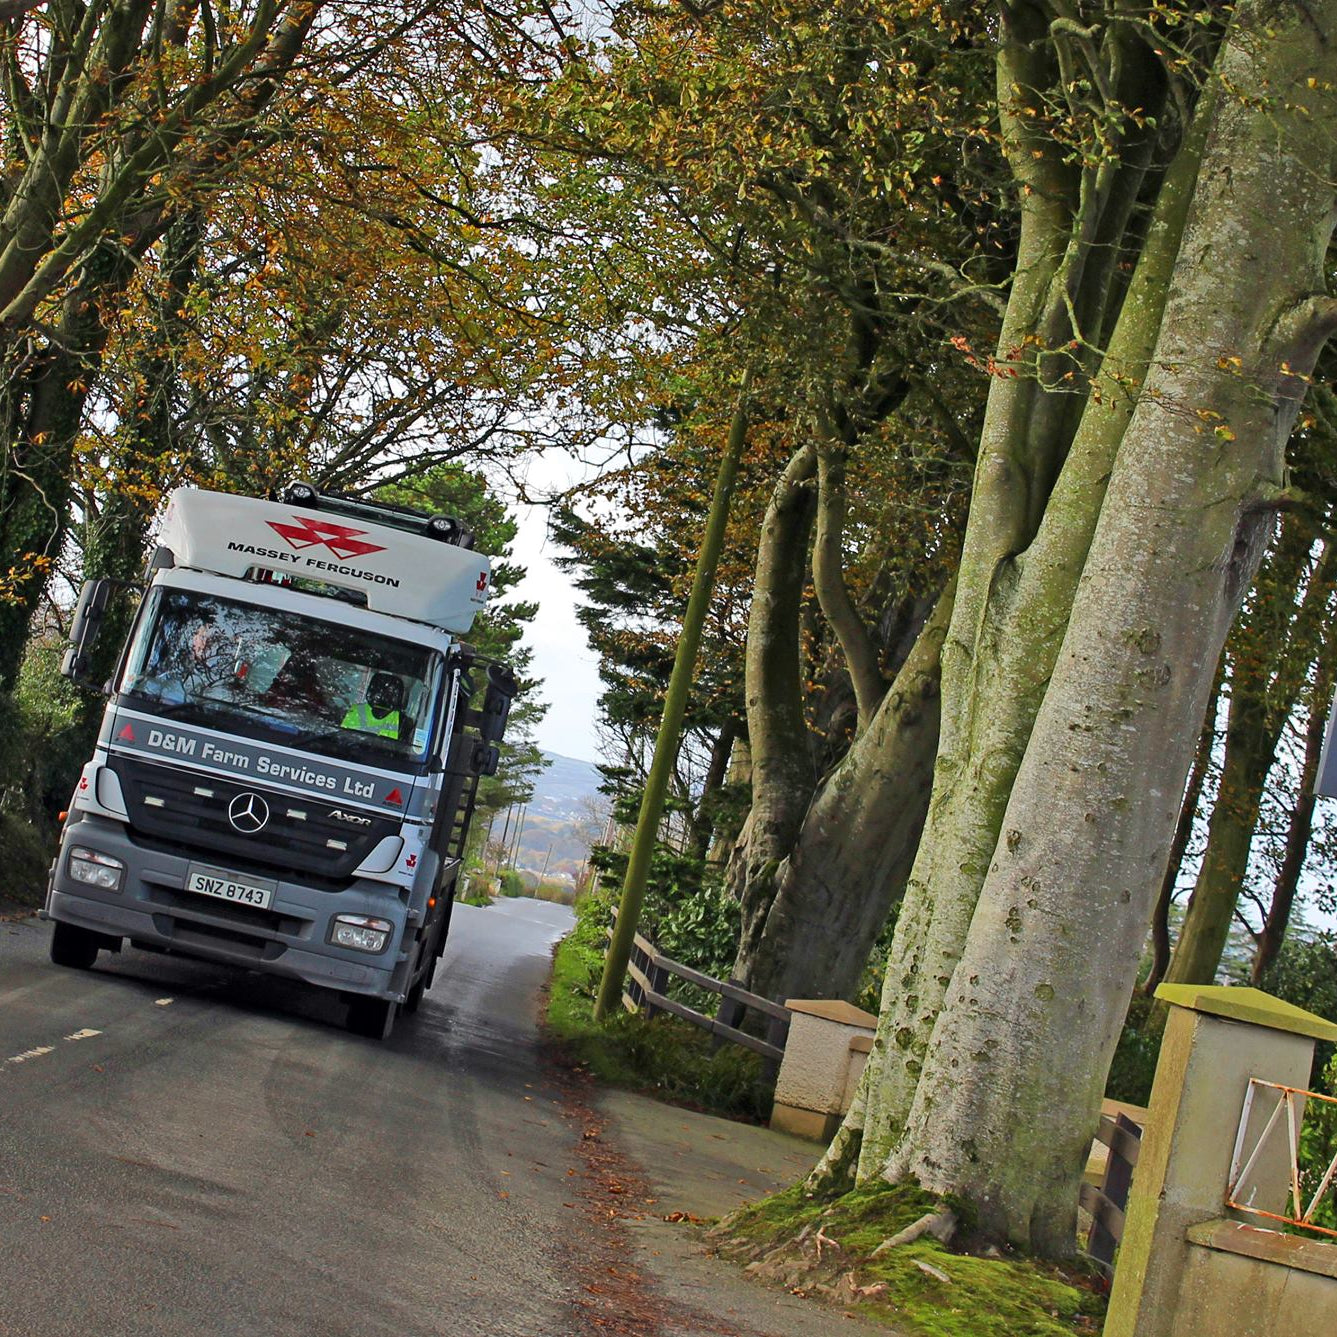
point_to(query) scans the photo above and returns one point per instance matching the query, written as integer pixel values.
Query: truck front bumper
(290, 937)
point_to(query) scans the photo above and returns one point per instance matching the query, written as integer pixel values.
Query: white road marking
(31, 1053)
(41, 1050)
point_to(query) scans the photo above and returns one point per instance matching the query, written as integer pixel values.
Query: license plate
(224, 887)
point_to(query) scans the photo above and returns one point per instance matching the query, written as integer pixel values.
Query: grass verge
(811, 1245)
(824, 1247)
(663, 1055)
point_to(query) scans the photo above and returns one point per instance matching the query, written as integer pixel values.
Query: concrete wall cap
(1235, 1003)
(836, 1009)
(1267, 1246)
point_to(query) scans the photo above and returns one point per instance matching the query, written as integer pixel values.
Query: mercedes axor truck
(288, 760)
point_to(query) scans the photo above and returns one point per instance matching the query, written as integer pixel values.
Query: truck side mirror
(84, 628)
(501, 691)
(486, 758)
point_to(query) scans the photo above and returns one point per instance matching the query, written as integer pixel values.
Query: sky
(562, 656)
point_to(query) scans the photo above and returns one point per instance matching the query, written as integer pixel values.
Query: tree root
(941, 1225)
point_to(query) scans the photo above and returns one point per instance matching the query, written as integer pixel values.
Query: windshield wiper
(155, 705)
(355, 745)
(314, 736)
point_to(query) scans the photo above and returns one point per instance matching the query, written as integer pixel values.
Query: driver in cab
(382, 713)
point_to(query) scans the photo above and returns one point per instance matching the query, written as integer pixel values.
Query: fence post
(729, 1013)
(777, 1032)
(819, 1053)
(1101, 1244)
(659, 978)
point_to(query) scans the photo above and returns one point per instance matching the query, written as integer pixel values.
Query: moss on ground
(660, 1054)
(823, 1247)
(778, 1238)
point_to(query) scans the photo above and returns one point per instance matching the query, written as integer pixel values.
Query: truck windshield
(280, 676)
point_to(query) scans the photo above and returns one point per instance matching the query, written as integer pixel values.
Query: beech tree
(114, 113)
(1276, 913)
(1271, 653)
(1130, 465)
(1277, 656)
(816, 165)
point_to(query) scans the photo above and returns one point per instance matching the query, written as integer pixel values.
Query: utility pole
(675, 706)
(505, 837)
(519, 831)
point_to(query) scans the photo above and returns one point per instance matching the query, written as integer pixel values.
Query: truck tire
(372, 1017)
(426, 965)
(73, 946)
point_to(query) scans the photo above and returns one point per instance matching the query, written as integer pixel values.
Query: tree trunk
(828, 578)
(858, 839)
(726, 830)
(1302, 816)
(1273, 650)
(1188, 812)
(1008, 1097)
(45, 395)
(701, 825)
(1023, 556)
(782, 771)
(117, 522)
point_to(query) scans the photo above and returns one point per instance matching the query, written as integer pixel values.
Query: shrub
(1318, 1145)
(25, 854)
(1139, 1048)
(556, 892)
(1305, 973)
(663, 1054)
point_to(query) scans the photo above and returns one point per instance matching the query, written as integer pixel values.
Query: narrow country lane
(184, 1149)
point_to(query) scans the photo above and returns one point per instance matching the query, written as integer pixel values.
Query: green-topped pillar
(1215, 1040)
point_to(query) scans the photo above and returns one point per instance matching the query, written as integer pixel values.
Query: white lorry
(288, 761)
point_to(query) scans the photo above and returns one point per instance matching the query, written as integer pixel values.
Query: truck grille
(186, 812)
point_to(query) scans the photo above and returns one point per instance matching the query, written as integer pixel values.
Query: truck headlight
(361, 933)
(94, 869)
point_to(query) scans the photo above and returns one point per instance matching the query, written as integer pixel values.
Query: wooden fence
(648, 974)
(1106, 1202)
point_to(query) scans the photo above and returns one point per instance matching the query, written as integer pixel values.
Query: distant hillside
(565, 816)
(565, 788)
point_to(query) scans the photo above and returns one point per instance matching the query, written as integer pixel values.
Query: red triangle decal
(127, 735)
(394, 796)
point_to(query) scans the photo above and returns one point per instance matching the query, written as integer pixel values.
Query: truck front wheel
(74, 946)
(426, 965)
(372, 1017)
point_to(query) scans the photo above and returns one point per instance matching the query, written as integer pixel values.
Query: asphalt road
(188, 1150)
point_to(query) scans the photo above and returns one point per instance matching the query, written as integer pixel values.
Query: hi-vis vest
(360, 717)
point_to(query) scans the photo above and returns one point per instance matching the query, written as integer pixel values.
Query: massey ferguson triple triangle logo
(339, 539)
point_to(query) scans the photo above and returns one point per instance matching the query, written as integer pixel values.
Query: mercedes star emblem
(248, 813)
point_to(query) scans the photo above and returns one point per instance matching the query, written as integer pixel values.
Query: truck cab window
(283, 677)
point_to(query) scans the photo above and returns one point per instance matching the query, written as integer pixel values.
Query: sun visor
(406, 574)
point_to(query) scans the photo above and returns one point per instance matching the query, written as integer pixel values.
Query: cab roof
(398, 572)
